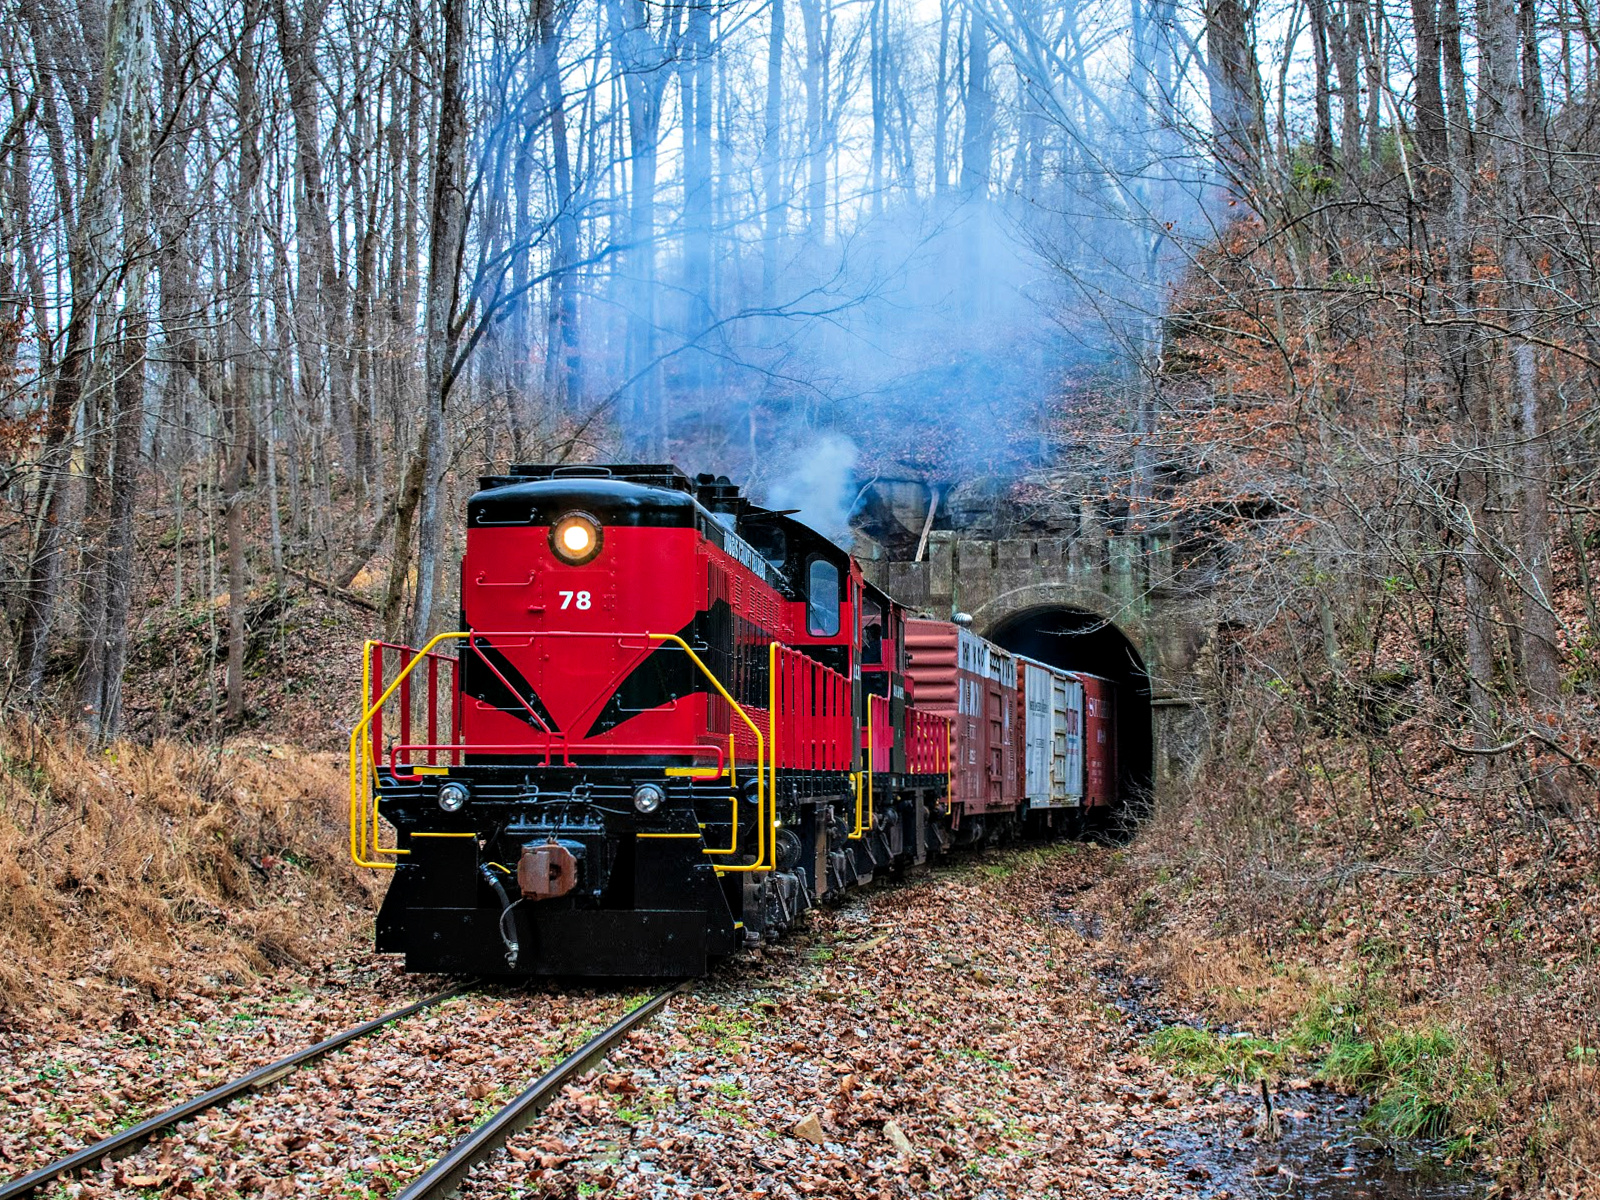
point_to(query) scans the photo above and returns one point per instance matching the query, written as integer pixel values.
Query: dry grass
(165, 866)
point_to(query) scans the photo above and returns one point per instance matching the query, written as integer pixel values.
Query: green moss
(727, 1032)
(1204, 1052)
(1422, 1080)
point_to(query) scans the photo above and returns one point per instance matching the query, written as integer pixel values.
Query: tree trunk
(563, 356)
(877, 57)
(323, 290)
(236, 405)
(405, 509)
(643, 80)
(1432, 133)
(776, 216)
(814, 19)
(122, 140)
(1347, 60)
(695, 92)
(941, 106)
(446, 233)
(977, 139)
(1511, 111)
(1235, 84)
(1322, 140)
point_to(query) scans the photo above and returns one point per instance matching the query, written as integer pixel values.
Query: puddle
(1321, 1152)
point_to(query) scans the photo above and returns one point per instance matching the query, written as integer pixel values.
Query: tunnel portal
(1075, 640)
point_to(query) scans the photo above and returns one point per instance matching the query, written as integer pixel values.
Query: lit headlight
(648, 797)
(576, 538)
(453, 796)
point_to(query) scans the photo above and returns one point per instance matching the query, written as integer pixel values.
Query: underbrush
(301, 668)
(165, 867)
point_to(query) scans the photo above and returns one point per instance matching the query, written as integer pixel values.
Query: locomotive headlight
(648, 797)
(576, 538)
(453, 797)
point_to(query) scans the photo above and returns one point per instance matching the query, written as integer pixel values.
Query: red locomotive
(673, 720)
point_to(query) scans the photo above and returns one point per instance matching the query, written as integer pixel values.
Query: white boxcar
(1052, 725)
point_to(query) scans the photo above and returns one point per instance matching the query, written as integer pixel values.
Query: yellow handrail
(760, 863)
(733, 799)
(860, 829)
(363, 841)
(364, 827)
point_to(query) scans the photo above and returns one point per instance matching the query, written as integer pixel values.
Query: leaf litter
(940, 1038)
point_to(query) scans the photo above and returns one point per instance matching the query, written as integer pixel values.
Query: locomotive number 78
(581, 600)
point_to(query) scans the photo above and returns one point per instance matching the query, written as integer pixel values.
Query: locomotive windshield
(822, 598)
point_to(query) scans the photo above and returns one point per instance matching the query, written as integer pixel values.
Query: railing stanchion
(377, 691)
(433, 709)
(406, 657)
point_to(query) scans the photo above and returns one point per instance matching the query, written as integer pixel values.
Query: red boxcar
(956, 673)
(1099, 740)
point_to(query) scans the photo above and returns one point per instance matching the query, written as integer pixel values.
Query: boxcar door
(1036, 695)
(1069, 715)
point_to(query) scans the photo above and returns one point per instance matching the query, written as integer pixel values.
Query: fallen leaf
(810, 1128)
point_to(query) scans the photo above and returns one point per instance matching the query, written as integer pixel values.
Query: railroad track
(440, 1179)
(446, 1175)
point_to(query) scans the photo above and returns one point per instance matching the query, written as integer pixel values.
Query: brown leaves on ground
(944, 1037)
(363, 1121)
(1448, 912)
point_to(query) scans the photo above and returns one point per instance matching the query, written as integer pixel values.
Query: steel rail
(136, 1135)
(448, 1173)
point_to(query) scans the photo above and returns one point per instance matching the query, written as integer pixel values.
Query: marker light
(575, 538)
(453, 796)
(648, 797)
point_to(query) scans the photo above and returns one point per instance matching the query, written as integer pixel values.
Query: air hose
(508, 931)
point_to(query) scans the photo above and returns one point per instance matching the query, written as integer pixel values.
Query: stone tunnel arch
(1076, 639)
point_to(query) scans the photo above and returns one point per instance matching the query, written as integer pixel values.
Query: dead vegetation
(165, 866)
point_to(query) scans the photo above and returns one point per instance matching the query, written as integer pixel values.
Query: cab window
(822, 598)
(871, 634)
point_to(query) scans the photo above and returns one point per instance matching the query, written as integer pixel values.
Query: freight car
(673, 720)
